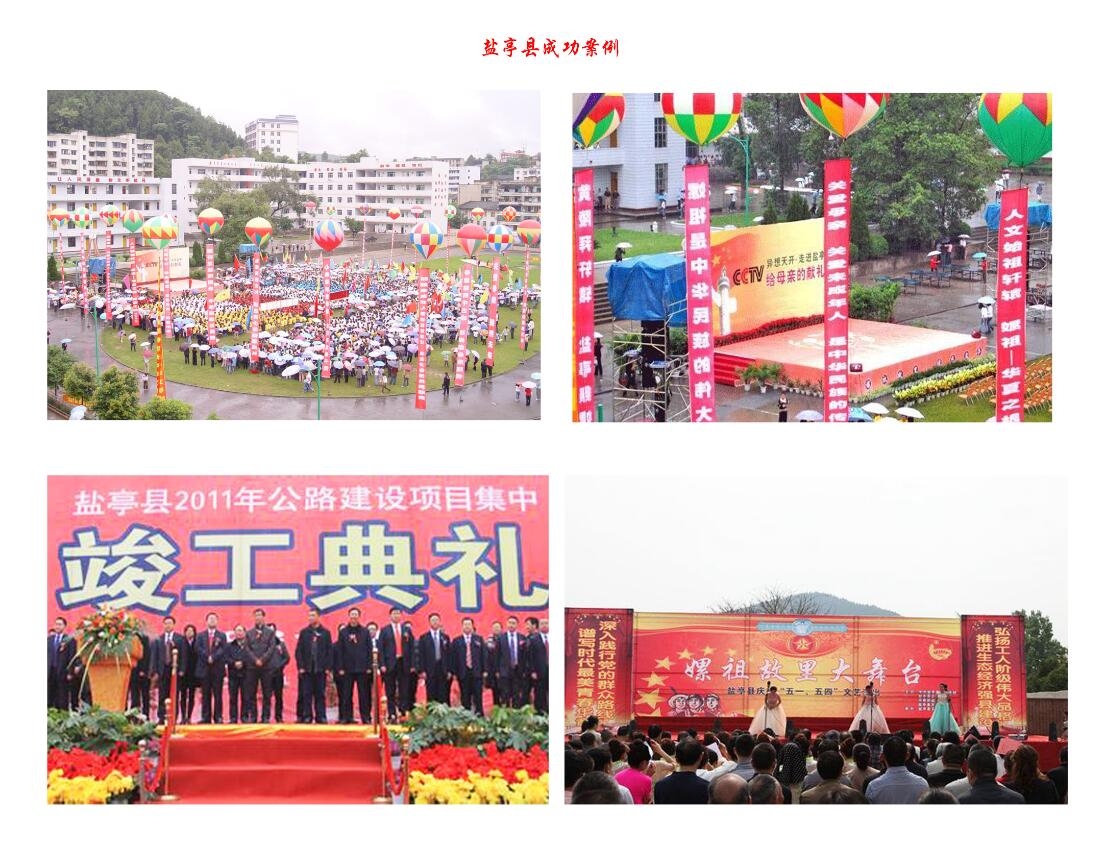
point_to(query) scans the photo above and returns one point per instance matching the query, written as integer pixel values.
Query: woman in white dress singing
(870, 711)
(771, 716)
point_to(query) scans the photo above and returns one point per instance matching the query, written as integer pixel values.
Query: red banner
(493, 315)
(423, 341)
(326, 280)
(583, 304)
(166, 286)
(463, 325)
(599, 653)
(211, 306)
(107, 274)
(135, 318)
(255, 326)
(836, 211)
(471, 546)
(1010, 318)
(995, 670)
(525, 289)
(699, 295)
(84, 273)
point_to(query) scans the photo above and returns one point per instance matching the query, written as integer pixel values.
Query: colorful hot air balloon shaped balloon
(110, 215)
(330, 210)
(500, 238)
(701, 118)
(363, 210)
(508, 214)
(210, 221)
(160, 231)
(1019, 125)
(426, 237)
(81, 217)
(310, 206)
(132, 221)
(416, 211)
(258, 231)
(477, 214)
(393, 214)
(844, 114)
(328, 234)
(451, 211)
(529, 231)
(594, 116)
(471, 238)
(56, 216)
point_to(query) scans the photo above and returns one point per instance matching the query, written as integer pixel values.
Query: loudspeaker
(1053, 733)
(979, 732)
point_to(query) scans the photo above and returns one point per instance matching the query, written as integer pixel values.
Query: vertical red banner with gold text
(135, 316)
(836, 213)
(463, 324)
(326, 291)
(583, 305)
(599, 653)
(993, 649)
(211, 306)
(493, 316)
(1010, 316)
(423, 287)
(107, 272)
(699, 295)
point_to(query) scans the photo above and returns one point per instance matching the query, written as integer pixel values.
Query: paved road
(482, 400)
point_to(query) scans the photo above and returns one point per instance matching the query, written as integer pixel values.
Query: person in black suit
(491, 662)
(234, 663)
(62, 667)
(313, 656)
(278, 675)
(260, 646)
(354, 659)
(211, 649)
(396, 645)
(537, 661)
(982, 769)
(168, 643)
(188, 675)
(139, 677)
(467, 664)
(510, 664)
(433, 660)
(684, 786)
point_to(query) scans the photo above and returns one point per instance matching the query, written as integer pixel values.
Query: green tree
(58, 364)
(797, 208)
(354, 226)
(237, 208)
(52, 272)
(354, 157)
(268, 154)
(198, 258)
(282, 193)
(779, 122)
(79, 382)
(770, 215)
(165, 409)
(859, 223)
(116, 397)
(874, 303)
(1046, 657)
(209, 190)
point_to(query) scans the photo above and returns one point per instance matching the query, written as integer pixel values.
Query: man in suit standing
(434, 660)
(169, 643)
(139, 676)
(397, 647)
(537, 661)
(313, 656)
(510, 660)
(279, 662)
(354, 656)
(211, 647)
(467, 664)
(491, 662)
(234, 661)
(260, 646)
(62, 666)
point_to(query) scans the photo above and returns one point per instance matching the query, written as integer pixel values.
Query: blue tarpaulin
(651, 287)
(1039, 215)
(97, 264)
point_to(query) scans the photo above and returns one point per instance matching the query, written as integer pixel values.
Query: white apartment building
(278, 133)
(68, 192)
(528, 173)
(79, 154)
(642, 158)
(461, 175)
(523, 195)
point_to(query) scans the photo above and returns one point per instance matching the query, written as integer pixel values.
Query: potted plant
(768, 374)
(109, 644)
(752, 374)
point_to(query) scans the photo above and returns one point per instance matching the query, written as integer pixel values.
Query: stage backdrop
(774, 272)
(461, 546)
(598, 649)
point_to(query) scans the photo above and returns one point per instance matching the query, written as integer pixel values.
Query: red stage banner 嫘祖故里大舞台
(599, 648)
(699, 295)
(583, 304)
(1010, 316)
(995, 670)
(836, 213)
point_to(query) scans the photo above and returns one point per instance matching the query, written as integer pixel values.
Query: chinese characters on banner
(254, 326)
(493, 316)
(326, 292)
(107, 272)
(836, 212)
(699, 295)
(1010, 356)
(583, 306)
(550, 47)
(136, 317)
(469, 546)
(524, 339)
(84, 273)
(166, 294)
(995, 670)
(211, 306)
(599, 651)
(423, 287)
(463, 324)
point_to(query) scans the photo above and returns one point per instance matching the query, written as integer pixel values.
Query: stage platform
(885, 351)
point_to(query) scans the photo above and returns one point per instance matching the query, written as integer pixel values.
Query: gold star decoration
(655, 680)
(731, 653)
(685, 655)
(651, 699)
(707, 651)
(663, 664)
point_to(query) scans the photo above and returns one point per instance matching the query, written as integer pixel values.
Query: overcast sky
(920, 547)
(390, 124)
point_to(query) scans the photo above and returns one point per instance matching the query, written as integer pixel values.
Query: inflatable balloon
(500, 238)
(393, 214)
(328, 234)
(330, 210)
(110, 215)
(363, 209)
(508, 214)
(310, 206)
(451, 211)
(426, 237)
(844, 114)
(57, 216)
(258, 231)
(701, 118)
(1019, 125)
(81, 217)
(529, 231)
(471, 238)
(595, 116)
(416, 211)
(133, 221)
(477, 214)
(210, 221)
(159, 231)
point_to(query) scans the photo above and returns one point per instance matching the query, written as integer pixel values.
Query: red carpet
(274, 764)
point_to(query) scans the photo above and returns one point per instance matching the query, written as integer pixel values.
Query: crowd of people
(510, 665)
(630, 766)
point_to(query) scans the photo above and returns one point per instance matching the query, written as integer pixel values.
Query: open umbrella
(891, 420)
(77, 413)
(985, 299)
(625, 245)
(529, 384)
(69, 306)
(875, 409)
(980, 255)
(858, 414)
(290, 370)
(909, 412)
(809, 415)
(934, 253)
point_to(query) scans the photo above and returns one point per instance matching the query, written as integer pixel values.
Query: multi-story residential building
(523, 195)
(69, 192)
(78, 154)
(462, 175)
(528, 173)
(279, 134)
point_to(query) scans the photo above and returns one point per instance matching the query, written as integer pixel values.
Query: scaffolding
(650, 382)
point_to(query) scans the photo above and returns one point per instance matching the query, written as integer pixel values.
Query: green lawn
(644, 242)
(952, 408)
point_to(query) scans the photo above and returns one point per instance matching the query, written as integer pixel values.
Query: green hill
(179, 130)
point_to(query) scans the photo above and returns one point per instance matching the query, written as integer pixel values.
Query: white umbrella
(932, 253)
(263, 334)
(598, 335)
(909, 412)
(625, 245)
(893, 420)
(536, 375)
(985, 299)
(529, 384)
(308, 366)
(291, 370)
(77, 413)
(282, 333)
(69, 306)
(144, 344)
(809, 415)
(875, 409)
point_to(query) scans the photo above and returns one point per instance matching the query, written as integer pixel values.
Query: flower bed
(449, 775)
(942, 384)
(83, 777)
